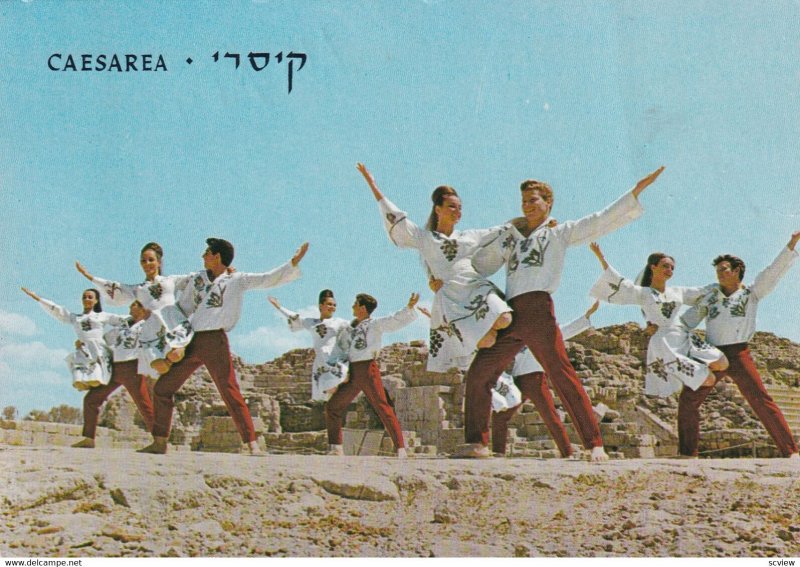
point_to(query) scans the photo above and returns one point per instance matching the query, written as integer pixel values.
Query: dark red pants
(363, 376)
(122, 374)
(534, 388)
(209, 348)
(534, 325)
(743, 371)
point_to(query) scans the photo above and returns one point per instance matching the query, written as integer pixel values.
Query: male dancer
(533, 253)
(531, 380)
(730, 314)
(360, 343)
(213, 302)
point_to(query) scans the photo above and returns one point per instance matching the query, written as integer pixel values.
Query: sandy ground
(80, 503)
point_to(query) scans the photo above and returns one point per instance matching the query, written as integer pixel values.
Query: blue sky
(589, 96)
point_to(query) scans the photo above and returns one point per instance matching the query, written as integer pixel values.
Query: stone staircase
(788, 399)
(529, 437)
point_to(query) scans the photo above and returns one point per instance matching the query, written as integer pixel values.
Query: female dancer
(324, 377)
(675, 355)
(124, 344)
(90, 364)
(467, 310)
(157, 294)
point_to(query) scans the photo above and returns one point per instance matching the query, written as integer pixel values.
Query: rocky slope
(78, 503)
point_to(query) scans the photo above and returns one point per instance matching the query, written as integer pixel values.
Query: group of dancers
(179, 323)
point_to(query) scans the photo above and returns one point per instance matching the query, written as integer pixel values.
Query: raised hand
(274, 302)
(370, 181)
(30, 293)
(412, 301)
(793, 240)
(592, 309)
(83, 271)
(644, 182)
(595, 247)
(435, 284)
(299, 254)
(424, 311)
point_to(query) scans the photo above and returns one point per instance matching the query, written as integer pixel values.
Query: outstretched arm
(769, 277)
(370, 181)
(595, 247)
(56, 311)
(579, 325)
(644, 182)
(616, 215)
(400, 319)
(300, 253)
(295, 323)
(31, 294)
(84, 271)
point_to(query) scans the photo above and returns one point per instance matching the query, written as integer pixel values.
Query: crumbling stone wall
(609, 361)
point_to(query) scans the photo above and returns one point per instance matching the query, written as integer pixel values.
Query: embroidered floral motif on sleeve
(658, 368)
(615, 287)
(697, 342)
(111, 289)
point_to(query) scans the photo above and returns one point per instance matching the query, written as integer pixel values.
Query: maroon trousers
(364, 376)
(534, 325)
(534, 388)
(209, 348)
(743, 371)
(122, 374)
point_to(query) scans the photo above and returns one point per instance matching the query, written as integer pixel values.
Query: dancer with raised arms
(360, 344)
(157, 293)
(729, 310)
(213, 301)
(90, 364)
(324, 330)
(467, 310)
(676, 357)
(123, 339)
(533, 252)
